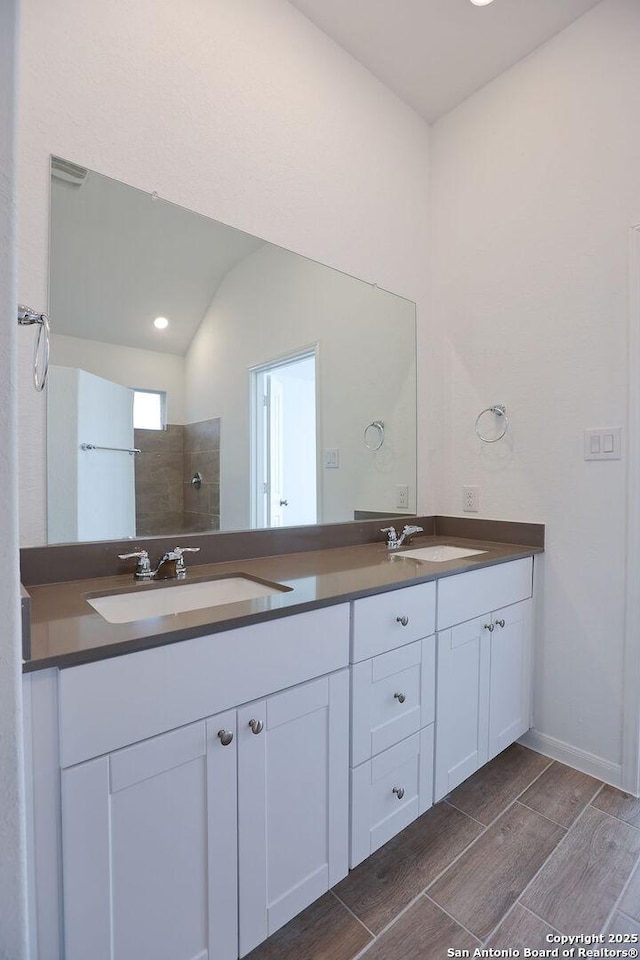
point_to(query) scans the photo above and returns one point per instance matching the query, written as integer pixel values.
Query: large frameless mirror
(202, 379)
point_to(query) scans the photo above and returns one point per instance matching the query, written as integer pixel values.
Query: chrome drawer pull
(500, 623)
(400, 697)
(403, 620)
(257, 726)
(399, 792)
(225, 736)
(490, 627)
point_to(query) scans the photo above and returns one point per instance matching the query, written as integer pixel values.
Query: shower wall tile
(204, 462)
(202, 435)
(169, 440)
(202, 455)
(200, 522)
(159, 524)
(166, 501)
(159, 489)
(155, 466)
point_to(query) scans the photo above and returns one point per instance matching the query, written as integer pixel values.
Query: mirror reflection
(203, 379)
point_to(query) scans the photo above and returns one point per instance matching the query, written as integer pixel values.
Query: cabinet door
(462, 710)
(510, 686)
(149, 856)
(292, 802)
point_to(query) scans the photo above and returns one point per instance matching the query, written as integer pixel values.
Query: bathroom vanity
(196, 791)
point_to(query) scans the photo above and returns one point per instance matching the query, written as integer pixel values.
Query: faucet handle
(180, 550)
(392, 536)
(177, 555)
(143, 566)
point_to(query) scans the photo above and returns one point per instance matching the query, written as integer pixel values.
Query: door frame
(256, 460)
(630, 773)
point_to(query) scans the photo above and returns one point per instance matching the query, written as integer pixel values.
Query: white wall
(129, 366)
(534, 186)
(242, 111)
(13, 938)
(273, 304)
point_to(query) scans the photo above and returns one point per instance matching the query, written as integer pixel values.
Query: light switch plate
(603, 444)
(332, 459)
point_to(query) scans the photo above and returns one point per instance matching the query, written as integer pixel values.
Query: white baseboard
(573, 757)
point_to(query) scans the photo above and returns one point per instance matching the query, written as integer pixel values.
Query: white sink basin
(439, 553)
(151, 601)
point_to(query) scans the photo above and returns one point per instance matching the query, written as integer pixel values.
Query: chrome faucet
(143, 566)
(170, 567)
(394, 541)
(172, 563)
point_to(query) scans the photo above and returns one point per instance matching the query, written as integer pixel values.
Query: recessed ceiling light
(481, 3)
(161, 323)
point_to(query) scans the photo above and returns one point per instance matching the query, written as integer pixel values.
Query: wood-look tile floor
(525, 848)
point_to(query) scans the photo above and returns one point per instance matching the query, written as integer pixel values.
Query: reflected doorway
(285, 441)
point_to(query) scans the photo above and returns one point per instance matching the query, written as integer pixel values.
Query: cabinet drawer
(377, 812)
(472, 594)
(112, 703)
(391, 620)
(392, 697)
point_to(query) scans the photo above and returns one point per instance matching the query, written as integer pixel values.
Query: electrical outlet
(402, 496)
(471, 499)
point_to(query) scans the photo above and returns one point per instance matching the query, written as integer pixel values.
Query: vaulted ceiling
(435, 53)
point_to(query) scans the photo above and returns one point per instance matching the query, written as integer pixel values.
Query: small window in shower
(149, 408)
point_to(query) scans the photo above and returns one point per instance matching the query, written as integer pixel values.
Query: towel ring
(500, 411)
(26, 318)
(378, 439)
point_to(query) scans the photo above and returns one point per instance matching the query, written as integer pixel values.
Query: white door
(293, 802)
(285, 442)
(149, 849)
(510, 676)
(278, 502)
(462, 711)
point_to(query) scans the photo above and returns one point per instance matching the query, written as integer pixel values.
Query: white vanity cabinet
(484, 668)
(392, 714)
(190, 799)
(173, 845)
(187, 831)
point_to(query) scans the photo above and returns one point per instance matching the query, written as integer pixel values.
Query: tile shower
(166, 499)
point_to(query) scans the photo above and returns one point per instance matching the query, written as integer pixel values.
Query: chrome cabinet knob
(399, 792)
(403, 620)
(225, 737)
(400, 697)
(490, 627)
(500, 623)
(257, 726)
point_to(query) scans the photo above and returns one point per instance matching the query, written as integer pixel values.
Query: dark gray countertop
(67, 631)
